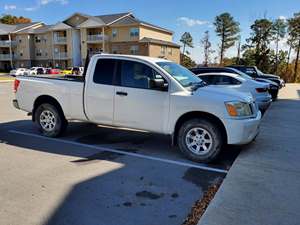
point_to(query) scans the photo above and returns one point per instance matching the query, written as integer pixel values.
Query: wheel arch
(199, 114)
(46, 99)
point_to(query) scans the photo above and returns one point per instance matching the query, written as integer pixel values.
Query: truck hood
(226, 94)
(271, 76)
(266, 81)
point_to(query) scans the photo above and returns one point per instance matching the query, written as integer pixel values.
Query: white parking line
(203, 167)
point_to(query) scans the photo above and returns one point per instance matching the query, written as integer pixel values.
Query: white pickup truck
(147, 94)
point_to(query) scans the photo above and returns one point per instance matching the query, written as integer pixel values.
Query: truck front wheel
(200, 140)
(50, 120)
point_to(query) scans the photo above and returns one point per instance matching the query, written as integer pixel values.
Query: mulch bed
(201, 205)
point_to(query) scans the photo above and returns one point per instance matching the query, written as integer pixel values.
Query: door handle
(121, 93)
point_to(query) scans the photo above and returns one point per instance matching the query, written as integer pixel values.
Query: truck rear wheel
(50, 120)
(200, 140)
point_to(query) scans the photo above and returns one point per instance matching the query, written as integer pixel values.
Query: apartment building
(67, 43)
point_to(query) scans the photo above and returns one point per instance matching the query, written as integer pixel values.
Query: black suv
(274, 87)
(254, 72)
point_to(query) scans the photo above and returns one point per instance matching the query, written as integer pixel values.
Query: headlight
(238, 109)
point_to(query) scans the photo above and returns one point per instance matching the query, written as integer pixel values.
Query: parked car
(77, 70)
(273, 87)
(233, 81)
(36, 70)
(143, 93)
(254, 72)
(19, 72)
(67, 71)
(52, 71)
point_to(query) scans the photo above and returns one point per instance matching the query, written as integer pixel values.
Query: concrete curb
(262, 186)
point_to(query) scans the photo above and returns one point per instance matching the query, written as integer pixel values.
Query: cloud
(192, 22)
(41, 3)
(46, 2)
(10, 7)
(282, 17)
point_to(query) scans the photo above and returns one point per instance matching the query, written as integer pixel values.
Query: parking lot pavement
(95, 175)
(262, 186)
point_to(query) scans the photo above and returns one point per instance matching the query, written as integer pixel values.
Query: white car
(259, 90)
(19, 72)
(143, 93)
(37, 70)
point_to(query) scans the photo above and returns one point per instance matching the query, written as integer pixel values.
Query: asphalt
(138, 179)
(263, 185)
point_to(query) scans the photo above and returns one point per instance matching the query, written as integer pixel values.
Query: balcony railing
(60, 40)
(97, 38)
(5, 57)
(61, 55)
(7, 43)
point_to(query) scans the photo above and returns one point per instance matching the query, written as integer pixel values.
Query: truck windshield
(242, 74)
(185, 77)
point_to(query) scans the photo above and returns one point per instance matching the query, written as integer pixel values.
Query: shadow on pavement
(138, 192)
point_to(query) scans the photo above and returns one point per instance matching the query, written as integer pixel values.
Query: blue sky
(195, 16)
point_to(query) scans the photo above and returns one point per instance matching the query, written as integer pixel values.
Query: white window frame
(134, 49)
(134, 32)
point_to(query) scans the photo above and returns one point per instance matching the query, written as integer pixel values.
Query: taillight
(16, 85)
(261, 90)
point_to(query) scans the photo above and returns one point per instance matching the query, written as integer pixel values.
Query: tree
(186, 40)
(187, 62)
(207, 48)
(10, 19)
(294, 32)
(261, 35)
(279, 28)
(227, 29)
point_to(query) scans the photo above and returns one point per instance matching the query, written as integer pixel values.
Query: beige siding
(171, 53)
(123, 34)
(155, 34)
(45, 45)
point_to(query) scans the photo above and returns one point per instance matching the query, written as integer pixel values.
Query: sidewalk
(263, 185)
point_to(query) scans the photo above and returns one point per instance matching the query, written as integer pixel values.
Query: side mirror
(159, 84)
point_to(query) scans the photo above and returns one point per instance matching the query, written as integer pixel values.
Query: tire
(50, 121)
(199, 132)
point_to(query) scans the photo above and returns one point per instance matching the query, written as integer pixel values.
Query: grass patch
(6, 78)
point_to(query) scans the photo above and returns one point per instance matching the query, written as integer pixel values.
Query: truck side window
(104, 71)
(137, 75)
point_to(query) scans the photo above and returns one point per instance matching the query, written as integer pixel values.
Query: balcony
(7, 43)
(5, 57)
(97, 38)
(61, 55)
(60, 40)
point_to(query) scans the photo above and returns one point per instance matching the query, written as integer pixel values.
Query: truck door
(100, 91)
(138, 104)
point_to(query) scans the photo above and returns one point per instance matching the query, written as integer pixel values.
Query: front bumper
(16, 104)
(242, 131)
(263, 104)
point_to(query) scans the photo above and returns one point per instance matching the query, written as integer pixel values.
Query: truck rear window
(104, 71)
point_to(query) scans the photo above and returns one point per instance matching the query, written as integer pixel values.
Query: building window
(39, 52)
(21, 53)
(114, 33)
(134, 50)
(134, 32)
(163, 50)
(37, 39)
(170, 51)
(115, 50)
(20, 40)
